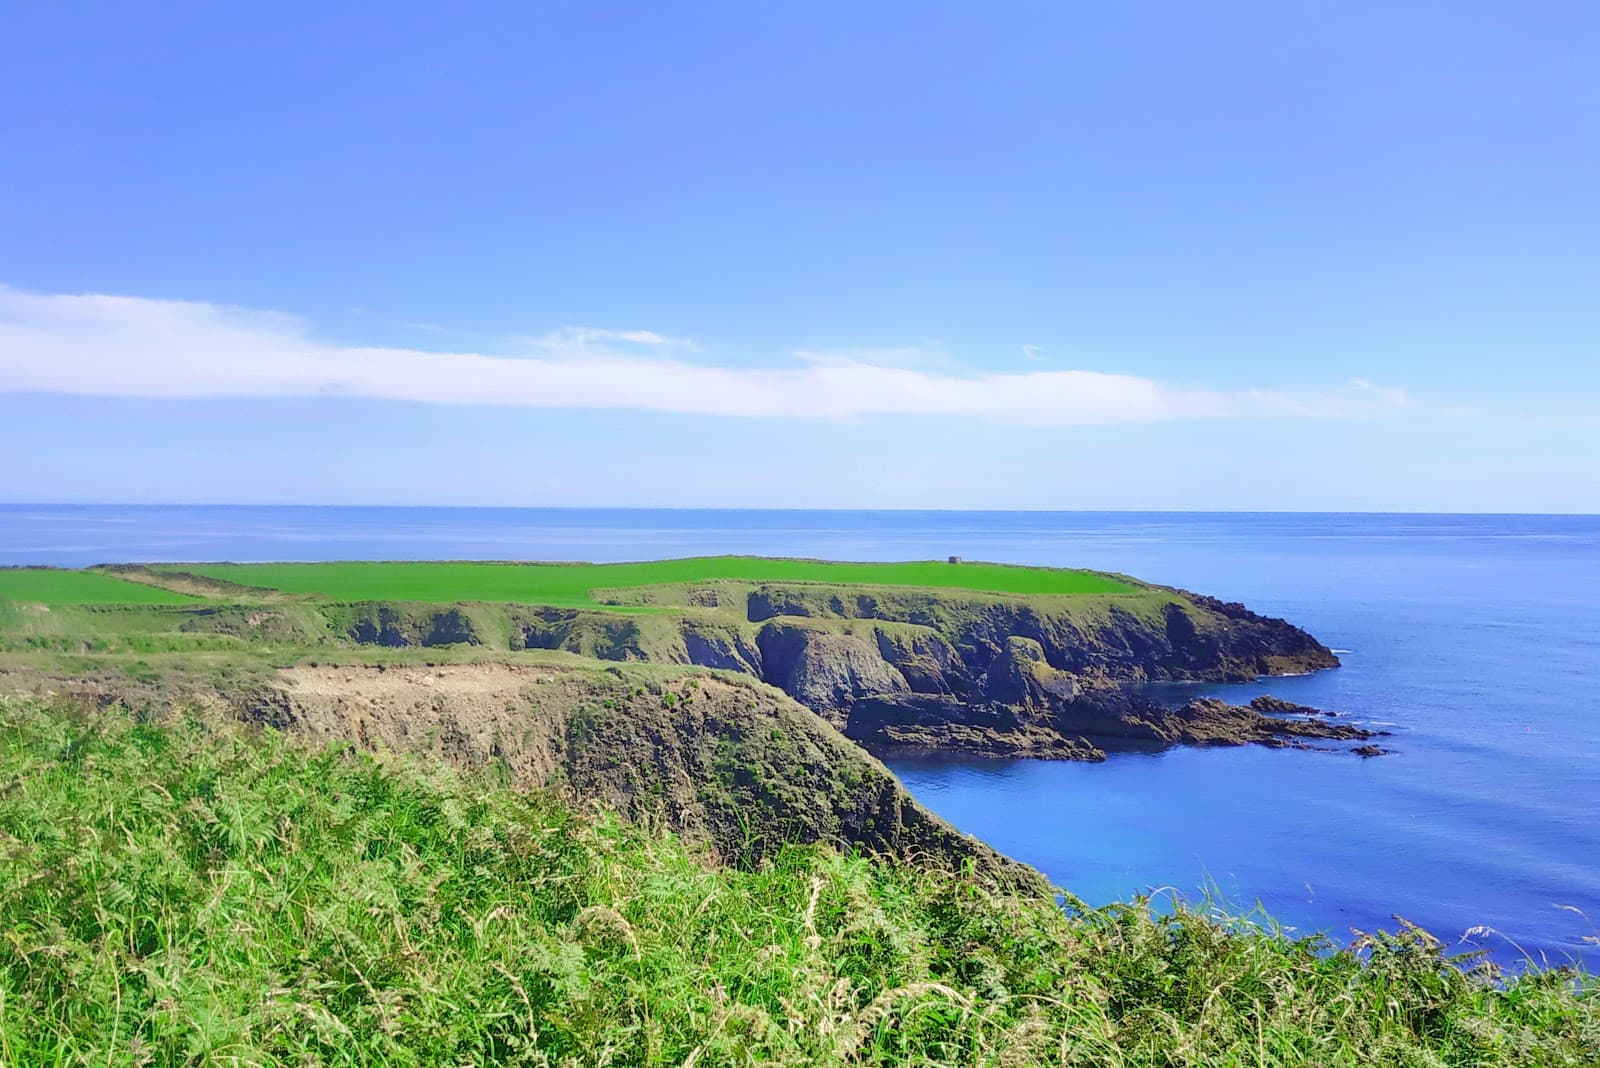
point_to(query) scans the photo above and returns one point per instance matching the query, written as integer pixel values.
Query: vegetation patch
(573, 585)
(186, 894)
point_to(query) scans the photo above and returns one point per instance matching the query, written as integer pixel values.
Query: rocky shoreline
(1078, 729)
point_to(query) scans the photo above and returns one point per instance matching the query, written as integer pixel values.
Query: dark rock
(945, 724)
(400, 626)
(927, 661)
(727, 650)
(823, 670)
(1277, 706)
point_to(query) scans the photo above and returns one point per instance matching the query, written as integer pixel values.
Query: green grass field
(61, 587)
(570, 585)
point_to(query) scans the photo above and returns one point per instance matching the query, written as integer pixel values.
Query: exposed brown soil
(192, 584)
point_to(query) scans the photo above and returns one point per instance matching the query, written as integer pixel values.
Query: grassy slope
(53, 586)
(569, 585)
(170, 895)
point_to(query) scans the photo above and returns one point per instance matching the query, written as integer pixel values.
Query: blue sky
(1230, 256)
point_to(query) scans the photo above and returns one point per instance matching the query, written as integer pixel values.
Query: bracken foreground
(178, 890)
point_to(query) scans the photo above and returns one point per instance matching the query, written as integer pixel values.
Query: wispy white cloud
(1392, 396)
(137, 347)
(1031, 352)
(569, 337)
(404, 324)
(926, 357)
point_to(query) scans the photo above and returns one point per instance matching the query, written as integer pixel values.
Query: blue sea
(1475, 639)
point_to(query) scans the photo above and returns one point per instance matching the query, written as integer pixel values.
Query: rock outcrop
(1075, 727)
(1018, 679)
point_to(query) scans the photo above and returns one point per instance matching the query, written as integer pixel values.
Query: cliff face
(946, 641)
(1035, 676)
(1154, 634)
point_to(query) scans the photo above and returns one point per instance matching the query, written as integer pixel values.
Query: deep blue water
(1476, 639)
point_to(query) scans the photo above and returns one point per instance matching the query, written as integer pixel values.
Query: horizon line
(773, 508)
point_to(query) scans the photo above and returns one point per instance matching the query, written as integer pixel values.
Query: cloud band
(137, 347)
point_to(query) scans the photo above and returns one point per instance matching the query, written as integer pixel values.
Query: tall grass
(187, 894)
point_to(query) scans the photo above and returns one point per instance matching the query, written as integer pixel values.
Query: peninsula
(640, 684)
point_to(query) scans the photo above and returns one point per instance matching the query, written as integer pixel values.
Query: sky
(1228, 256)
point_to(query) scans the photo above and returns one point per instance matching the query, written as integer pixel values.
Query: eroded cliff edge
(728, 764)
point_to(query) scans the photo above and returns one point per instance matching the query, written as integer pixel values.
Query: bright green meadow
(53, 586)
(571, 585)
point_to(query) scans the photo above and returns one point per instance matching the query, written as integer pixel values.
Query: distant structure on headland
(955, 559)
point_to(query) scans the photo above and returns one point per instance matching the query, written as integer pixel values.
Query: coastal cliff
(1052, 676)
(1040, 677)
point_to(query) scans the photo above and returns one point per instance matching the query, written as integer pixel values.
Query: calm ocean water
(1476, 639)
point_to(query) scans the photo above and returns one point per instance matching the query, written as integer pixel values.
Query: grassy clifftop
(574, 585)
(183, 894)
